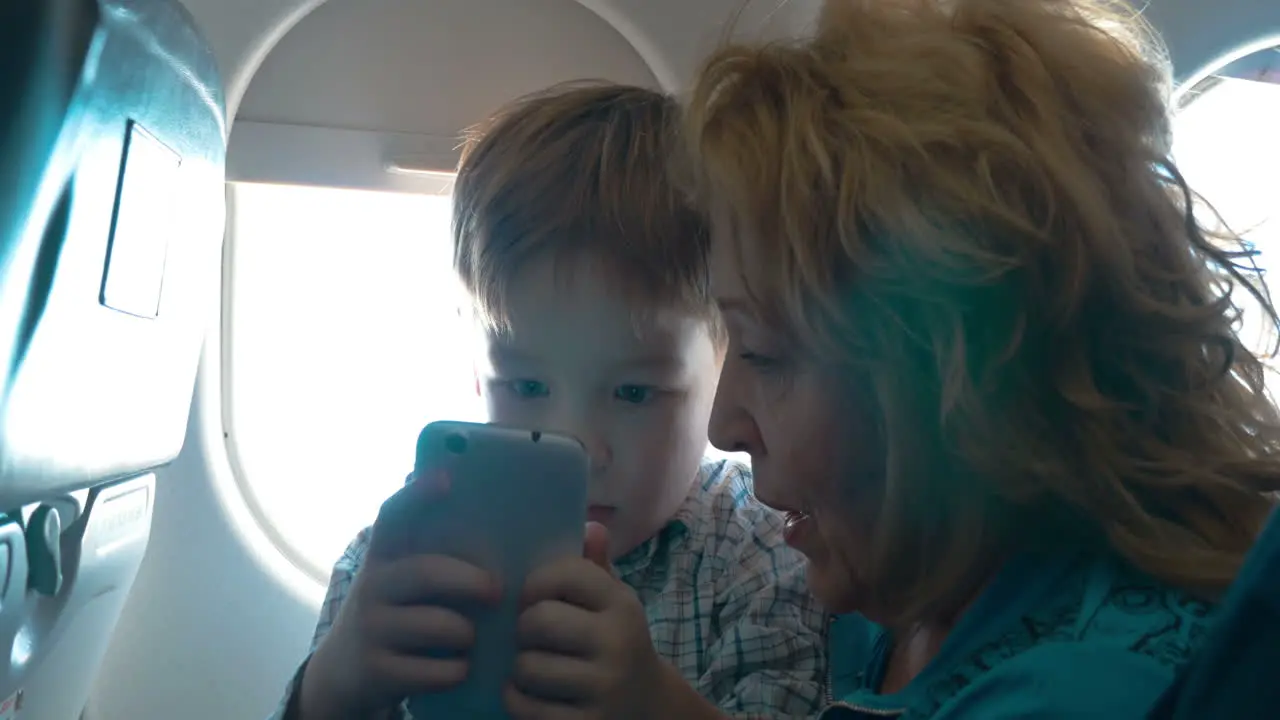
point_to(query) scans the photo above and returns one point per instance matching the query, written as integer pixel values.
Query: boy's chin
(623, 540)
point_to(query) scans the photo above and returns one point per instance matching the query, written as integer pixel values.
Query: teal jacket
(1049, 638)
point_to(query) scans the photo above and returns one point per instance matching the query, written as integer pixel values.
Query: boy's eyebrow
(509, 354)
(651, 362)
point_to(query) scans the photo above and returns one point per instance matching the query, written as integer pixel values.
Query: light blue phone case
(517, 500)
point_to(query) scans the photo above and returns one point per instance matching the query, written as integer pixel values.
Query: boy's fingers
(554, 677)
(437, 579)
(430, 484)
(522, 707)
(390, 532)
(595, 545)
(402, 512)
(413, 674)
(418, 628)
(558, 627)
(575, 581)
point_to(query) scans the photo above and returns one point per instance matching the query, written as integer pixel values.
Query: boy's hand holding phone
(584, 645)
(399, 633)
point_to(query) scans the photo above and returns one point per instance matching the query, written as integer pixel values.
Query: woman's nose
(731, 428)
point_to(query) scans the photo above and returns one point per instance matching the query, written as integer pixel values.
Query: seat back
(1233, 674)
(112, 205)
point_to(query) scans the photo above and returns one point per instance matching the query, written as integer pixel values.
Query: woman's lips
(797, 527)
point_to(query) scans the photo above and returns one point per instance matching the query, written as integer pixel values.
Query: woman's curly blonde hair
(971, 206)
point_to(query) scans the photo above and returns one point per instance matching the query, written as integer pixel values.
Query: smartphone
(516, 499)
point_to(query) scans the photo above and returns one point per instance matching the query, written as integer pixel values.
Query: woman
(982, 353)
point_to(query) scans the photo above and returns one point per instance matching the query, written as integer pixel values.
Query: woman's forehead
(730, 254)
(724, 265)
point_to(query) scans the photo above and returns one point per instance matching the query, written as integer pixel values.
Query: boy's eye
(635, 394)
(527, 388)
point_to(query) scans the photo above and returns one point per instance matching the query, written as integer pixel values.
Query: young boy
(587, 274)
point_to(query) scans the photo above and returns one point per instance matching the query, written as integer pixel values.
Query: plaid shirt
(726, 601)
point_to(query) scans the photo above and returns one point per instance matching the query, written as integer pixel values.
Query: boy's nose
(597, 451)
(588, 431)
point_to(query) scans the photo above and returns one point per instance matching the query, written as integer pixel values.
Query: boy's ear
(475, 375)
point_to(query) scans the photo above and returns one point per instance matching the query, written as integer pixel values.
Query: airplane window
(344, 340)
(1225, 145)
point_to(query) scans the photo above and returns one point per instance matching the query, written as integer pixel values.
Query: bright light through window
(1226, 145)
(344, 341)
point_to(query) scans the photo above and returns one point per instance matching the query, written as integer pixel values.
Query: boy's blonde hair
(578, 171)
(970, 206)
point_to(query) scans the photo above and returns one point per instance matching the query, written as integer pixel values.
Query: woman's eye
(527, 389)
(757, 360)
(635, 394)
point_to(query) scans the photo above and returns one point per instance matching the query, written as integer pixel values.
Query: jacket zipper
(830, 698)
(874, 712)
(832, 703)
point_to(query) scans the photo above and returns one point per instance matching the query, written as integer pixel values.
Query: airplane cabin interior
(224, 226)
